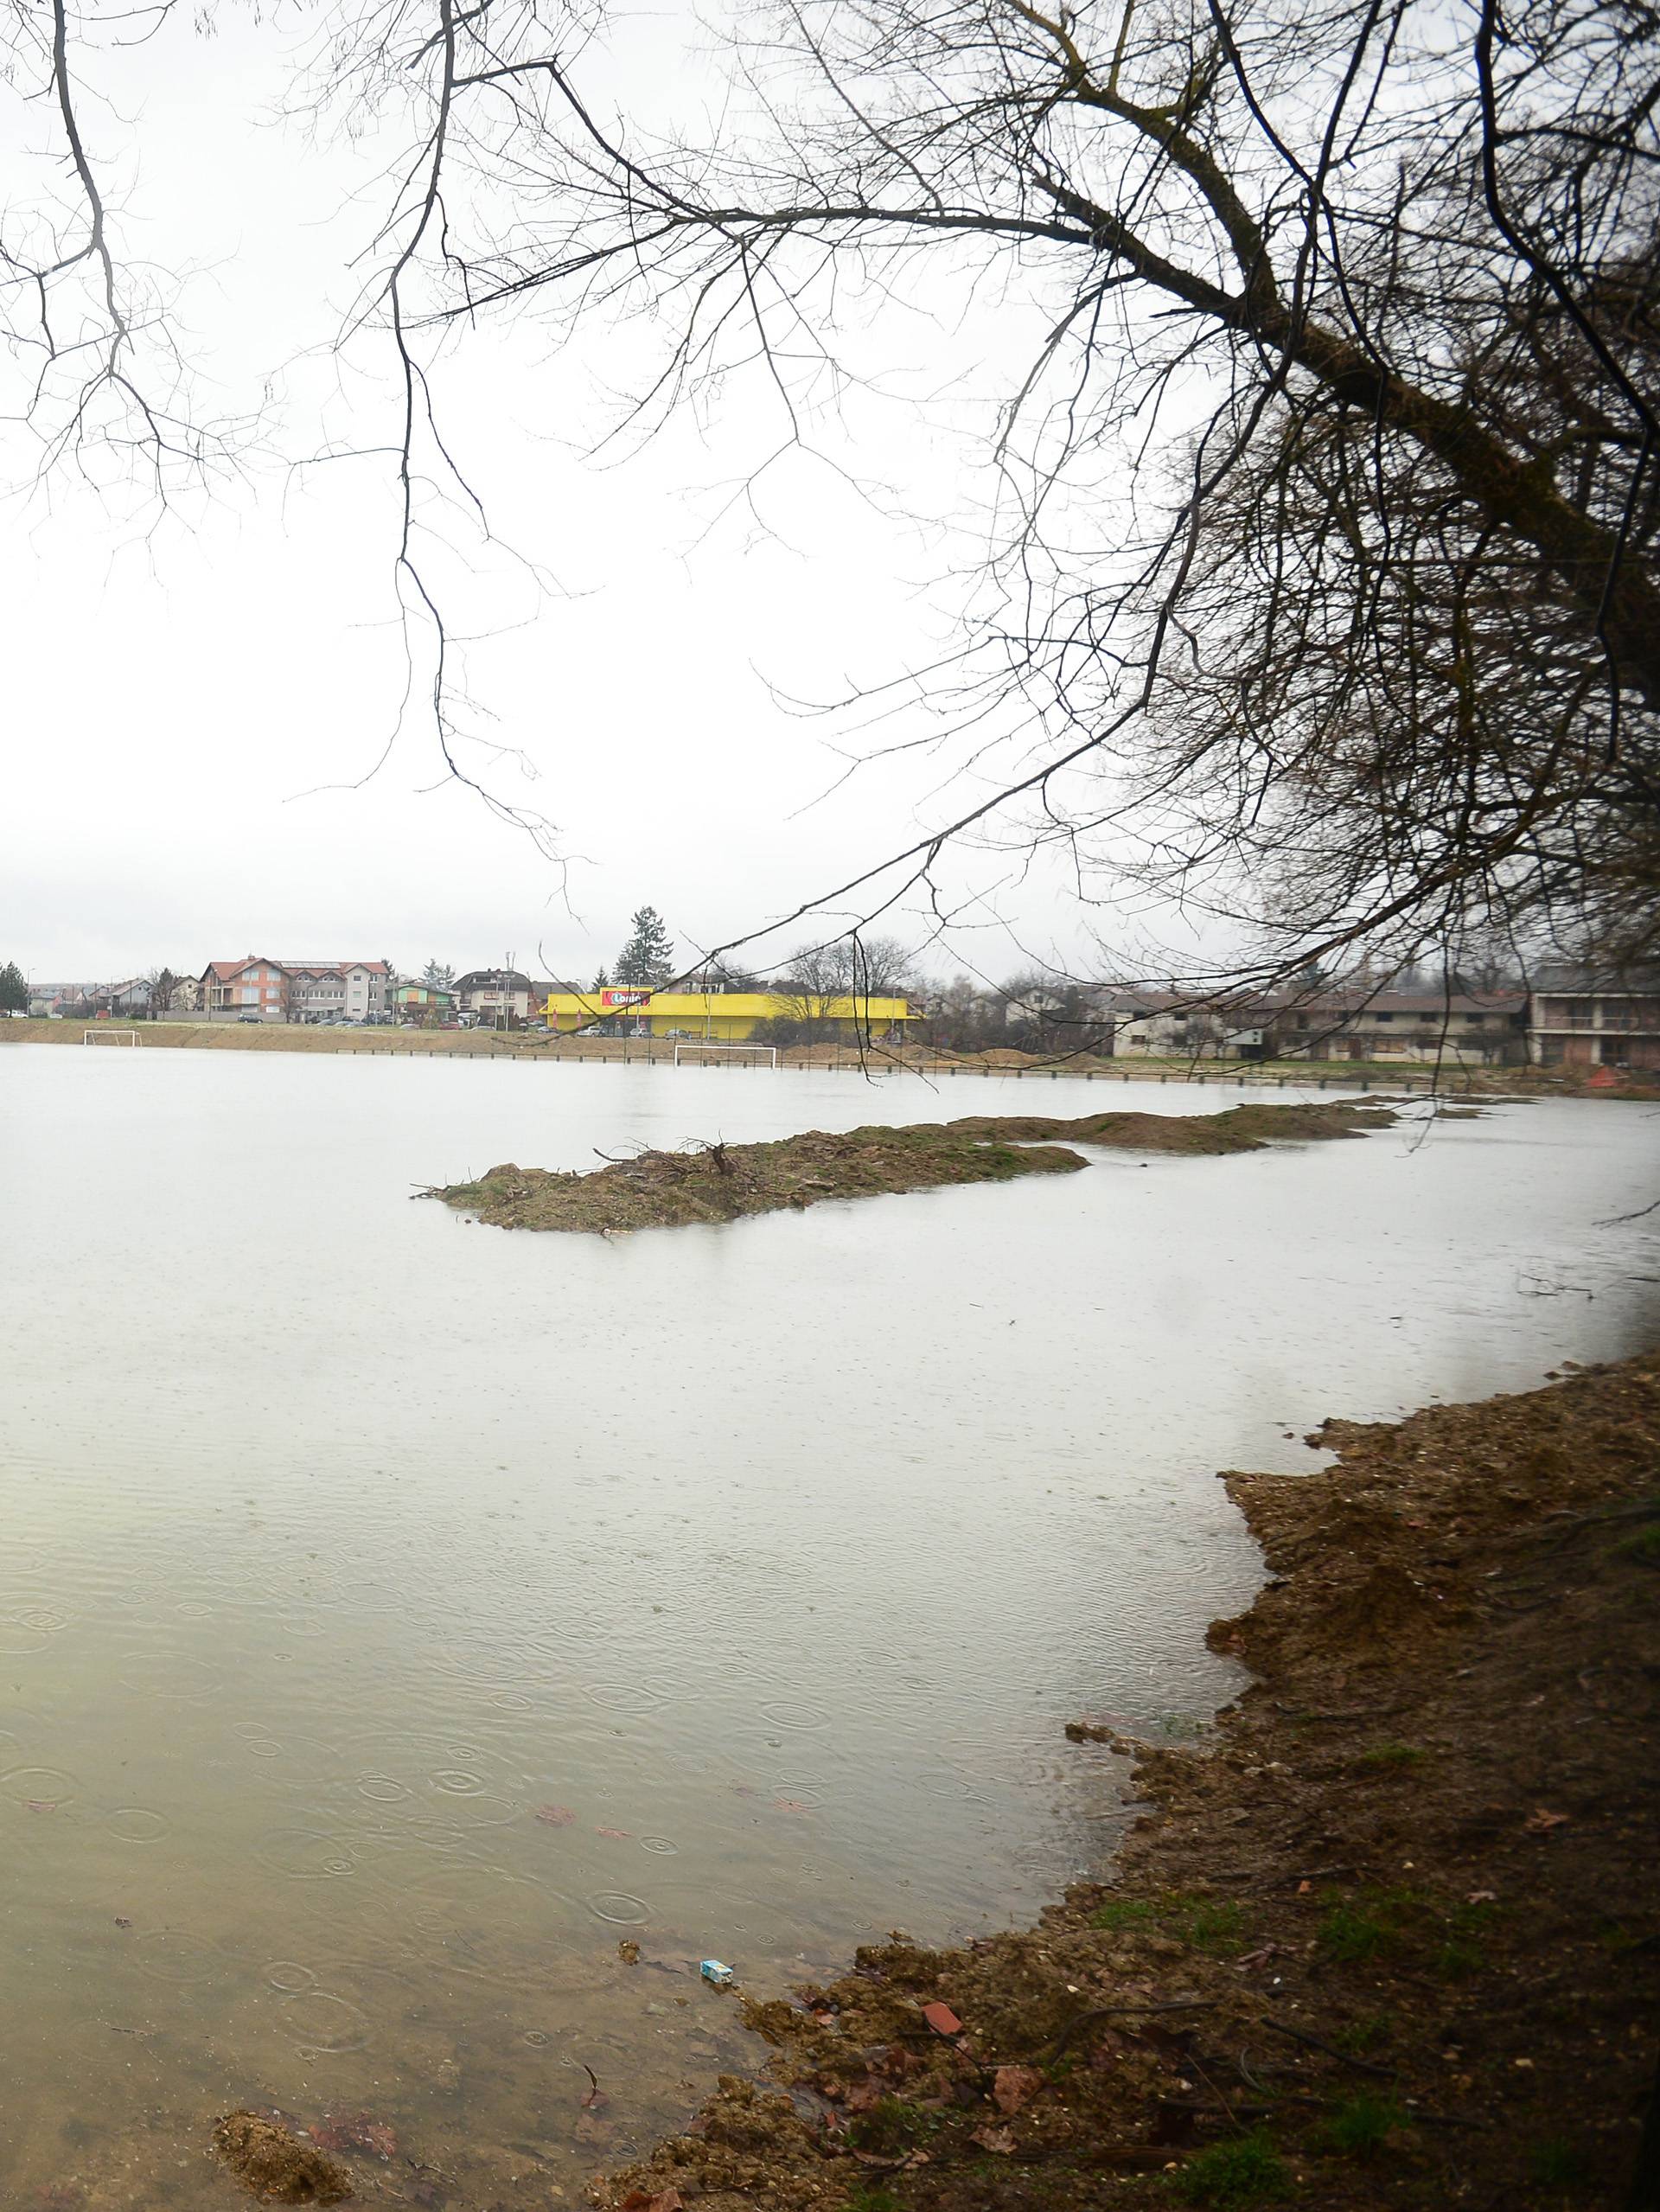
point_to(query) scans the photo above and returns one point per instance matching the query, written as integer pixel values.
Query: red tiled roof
(331, 967)
(223, 970)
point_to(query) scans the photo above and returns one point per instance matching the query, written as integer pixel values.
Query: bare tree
(1320, 596)
(90, 363)
(826, 989)
(1370, 655)
(160, 984)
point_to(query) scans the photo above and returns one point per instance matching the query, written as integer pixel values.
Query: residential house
(317, 991)
(1345, 1025)
(368, 989)
(494, 994)
(1165, 1025)
(1576, 1018)
(430, 1004)
(339, 990)
(1061, 1018)
(252, 989)
(1462, 1026)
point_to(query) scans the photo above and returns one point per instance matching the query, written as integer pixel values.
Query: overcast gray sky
(192, 708)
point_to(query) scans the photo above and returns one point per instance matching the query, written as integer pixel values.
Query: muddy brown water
(342, 1537)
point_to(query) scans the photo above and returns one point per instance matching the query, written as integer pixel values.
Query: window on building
(1386, 1017)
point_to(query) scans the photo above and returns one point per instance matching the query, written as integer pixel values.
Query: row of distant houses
(259, 988)
(251, 989)
(1569, 1020)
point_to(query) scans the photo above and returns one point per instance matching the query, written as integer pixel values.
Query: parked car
(253, 1017)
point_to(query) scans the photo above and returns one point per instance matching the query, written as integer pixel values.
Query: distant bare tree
(808, 991)
(962, 1016)
(1046, 1014)
(827, 987)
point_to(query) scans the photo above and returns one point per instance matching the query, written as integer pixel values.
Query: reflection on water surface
(395, 1615)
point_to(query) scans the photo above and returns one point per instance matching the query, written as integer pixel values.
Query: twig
(1331, 2050)
(1111, 2011)
(1235, 2118)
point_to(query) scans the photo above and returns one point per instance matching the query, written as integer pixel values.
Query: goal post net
(695, 1048)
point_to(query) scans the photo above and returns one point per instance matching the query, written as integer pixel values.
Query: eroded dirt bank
(723, 1182)
(1390, 1940)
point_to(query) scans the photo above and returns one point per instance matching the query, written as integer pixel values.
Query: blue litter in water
(713, 1971)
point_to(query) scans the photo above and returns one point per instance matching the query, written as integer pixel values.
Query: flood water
(395, 1613)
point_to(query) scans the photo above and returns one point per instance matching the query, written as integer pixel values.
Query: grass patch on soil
(1644, 1545)
(1452, 1940)
(892, 2127)
(1368, 2034)
(1362, 2125)
(1216, 1925)
(1248, 2170)
(714, 1182)
(1353, 1929)
(1386, 1757)
(1124, 1912)
(1558, 2163)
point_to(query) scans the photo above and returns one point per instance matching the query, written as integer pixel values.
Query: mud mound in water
(274, 2165)
(724, 1182)
(1240, 1128)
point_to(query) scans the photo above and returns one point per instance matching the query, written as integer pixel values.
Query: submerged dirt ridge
(1388, 1940)
(724, 1182)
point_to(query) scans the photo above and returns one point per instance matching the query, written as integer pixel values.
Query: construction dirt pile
(723, 1182)
(1388, 1940)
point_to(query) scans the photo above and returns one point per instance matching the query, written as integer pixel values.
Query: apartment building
(1576, 1020)
(259, 989)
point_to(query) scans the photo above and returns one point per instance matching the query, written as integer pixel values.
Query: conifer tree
(14, 991)
(647, 959)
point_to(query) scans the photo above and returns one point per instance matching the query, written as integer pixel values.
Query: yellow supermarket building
(721, 1017)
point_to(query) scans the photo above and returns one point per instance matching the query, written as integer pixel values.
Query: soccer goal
(109, 1036)
(769, 1052)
